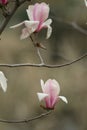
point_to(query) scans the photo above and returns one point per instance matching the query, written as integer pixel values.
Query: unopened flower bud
(3, 2)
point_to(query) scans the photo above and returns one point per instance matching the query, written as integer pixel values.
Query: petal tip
(63, 99)
(41, 96)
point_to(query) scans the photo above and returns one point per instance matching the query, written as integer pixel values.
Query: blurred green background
(66, 43)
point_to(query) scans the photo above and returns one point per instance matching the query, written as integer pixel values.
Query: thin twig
(26, 120)
(41, 59)
(72, 23)
(38, 51)
(33, 41)
(78, 28)
(44, 65)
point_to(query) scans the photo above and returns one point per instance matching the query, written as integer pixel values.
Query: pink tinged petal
(47, 86)
(41, 12)
(50, 103)
(57, 86)
(17, 25)
(41, 96)
(3, 81)
(30, 12)
(63, 99)
(52, 87)
(45, 11)
(55, 100)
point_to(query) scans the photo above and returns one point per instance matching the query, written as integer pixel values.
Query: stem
(72, 24)
(38, 52)
(33, 41)
(44, 65)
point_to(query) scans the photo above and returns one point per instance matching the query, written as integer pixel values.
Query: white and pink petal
(56, 84)
(30, 12)
(41, 96)
(31, 26)
(52, 88)
(17, 25)
(41, 12)
(63, 99)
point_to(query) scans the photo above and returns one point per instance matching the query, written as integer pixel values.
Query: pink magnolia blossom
(37, 15)
(50, 95)
(4, 2)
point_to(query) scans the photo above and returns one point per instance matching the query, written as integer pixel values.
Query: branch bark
(10, 14)
(44, 65)
(26, 120)
(72, 24)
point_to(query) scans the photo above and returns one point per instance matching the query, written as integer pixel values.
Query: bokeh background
(66, 44)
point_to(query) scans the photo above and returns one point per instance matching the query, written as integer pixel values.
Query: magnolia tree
(38, 19)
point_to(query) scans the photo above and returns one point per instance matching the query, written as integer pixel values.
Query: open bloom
(4, 2)
(37, 15)
(50, 95)
(3, 81)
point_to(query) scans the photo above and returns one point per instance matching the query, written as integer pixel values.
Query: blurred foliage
(20, 101)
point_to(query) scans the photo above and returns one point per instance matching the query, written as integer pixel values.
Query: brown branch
(10, 14)
(26, 120)
(44, 65)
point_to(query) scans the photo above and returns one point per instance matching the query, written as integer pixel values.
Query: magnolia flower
(3, 81)
(50, 95)
(37, 15)
(85, 2)
(4, 2)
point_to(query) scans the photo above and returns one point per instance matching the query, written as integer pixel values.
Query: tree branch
(10, 14)
(73, 24)
(44, 65)
(26, 120)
